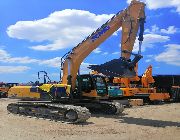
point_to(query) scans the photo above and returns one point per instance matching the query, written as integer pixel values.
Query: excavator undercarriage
(74, 108)
(76, 113)
(50, 110)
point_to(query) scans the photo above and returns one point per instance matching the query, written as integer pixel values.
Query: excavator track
(104, 107)
(112, 108)
(52, 111)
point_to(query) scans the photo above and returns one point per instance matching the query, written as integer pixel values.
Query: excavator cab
(91, 85)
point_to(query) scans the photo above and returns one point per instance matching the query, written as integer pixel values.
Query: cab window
(101, 85)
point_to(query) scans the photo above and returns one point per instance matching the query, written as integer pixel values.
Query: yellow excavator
(72, 99)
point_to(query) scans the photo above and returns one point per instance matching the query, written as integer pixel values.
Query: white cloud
(129, 1)
(105, 53)
(156, 4)
(7, 58)
(84, 68)
(148, 60)
(54, 62)
(117, 32)
(116, 53)
(169, 30)
(22, 60)
(170, 55)
(97, 50)
(13, 69)
(3, 54)
(155, 29)
(149, 41)
(63, 29)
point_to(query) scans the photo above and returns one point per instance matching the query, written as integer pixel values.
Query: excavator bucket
(118, 67)
(115, 68)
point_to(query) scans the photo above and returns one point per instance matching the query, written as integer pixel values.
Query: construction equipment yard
(97, 91)
(142, 122)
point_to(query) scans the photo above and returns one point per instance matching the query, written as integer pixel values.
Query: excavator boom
(73, 59)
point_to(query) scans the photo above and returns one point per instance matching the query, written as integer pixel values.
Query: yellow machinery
(4, 88)
(71, 98)
(38, 92)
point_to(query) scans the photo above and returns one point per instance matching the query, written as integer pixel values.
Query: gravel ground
(161, 122)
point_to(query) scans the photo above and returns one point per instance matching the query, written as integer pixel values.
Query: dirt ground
(160, 122)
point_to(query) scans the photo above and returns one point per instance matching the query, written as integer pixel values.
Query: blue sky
(36, 33)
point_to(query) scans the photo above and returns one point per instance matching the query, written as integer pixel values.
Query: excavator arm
(128, 19)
